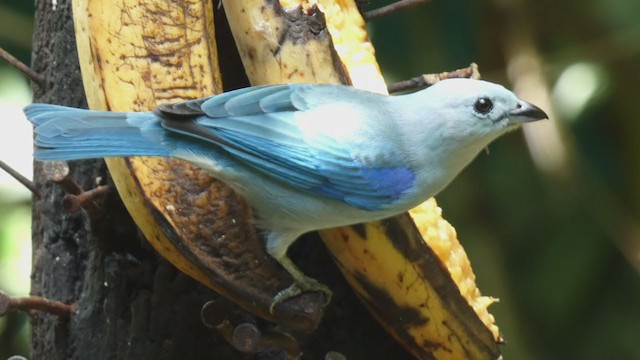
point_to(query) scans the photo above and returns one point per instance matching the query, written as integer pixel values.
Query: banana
(410, 287)
(410, 271)
(441, 237)
(135, 54)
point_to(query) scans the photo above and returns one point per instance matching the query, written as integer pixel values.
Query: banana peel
(134, 55)
(404, 282)
(428, 301)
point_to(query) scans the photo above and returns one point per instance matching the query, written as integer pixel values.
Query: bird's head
(453, 120)
(446, 125)
(475, 108)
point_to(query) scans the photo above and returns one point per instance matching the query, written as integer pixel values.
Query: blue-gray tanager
(305, 157)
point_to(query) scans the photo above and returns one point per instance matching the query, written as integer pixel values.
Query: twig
(8, 304)
(34, 76)
(73, 203)
(58, 172)
(21, 179)
(426, 80)
(391, 8)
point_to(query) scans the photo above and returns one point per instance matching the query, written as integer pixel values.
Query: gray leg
(277, 245)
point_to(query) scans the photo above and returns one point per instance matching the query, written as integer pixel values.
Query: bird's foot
(298, 287)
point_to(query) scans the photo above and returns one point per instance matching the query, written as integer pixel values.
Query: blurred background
(550, 216)
(16, 29)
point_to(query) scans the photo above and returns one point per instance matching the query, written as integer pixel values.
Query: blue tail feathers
(64, 133)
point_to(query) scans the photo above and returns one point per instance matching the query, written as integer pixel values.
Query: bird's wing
(256, 100)
(257, 127)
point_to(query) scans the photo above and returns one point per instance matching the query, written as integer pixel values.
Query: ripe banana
(425, 300)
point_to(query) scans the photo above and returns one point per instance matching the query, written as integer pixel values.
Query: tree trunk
(130, 302)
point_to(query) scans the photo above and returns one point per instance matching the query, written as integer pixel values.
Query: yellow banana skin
(134, 55)
(409, 289)
(405, 285)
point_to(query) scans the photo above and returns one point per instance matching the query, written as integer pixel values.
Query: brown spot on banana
(274, 41)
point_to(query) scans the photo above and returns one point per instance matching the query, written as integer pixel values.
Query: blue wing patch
(381, 186)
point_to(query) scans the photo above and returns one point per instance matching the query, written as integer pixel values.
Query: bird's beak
(526, 112)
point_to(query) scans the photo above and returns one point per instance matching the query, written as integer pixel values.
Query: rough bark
(131, 303)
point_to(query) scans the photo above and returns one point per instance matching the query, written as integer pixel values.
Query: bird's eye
(483, 105)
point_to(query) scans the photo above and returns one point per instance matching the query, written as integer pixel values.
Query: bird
(305, 156)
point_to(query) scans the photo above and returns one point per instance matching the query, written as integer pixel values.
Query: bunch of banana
(158, 51)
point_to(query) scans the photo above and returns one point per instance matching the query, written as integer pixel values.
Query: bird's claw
(298, 287)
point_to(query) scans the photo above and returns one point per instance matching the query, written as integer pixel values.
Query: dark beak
(526, 112)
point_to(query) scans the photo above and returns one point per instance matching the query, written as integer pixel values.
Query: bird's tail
(64, 133)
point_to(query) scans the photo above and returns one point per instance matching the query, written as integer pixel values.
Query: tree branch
(426, 80)
(21, 178)
(8, 304)
(391, 8)
(34, 76)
